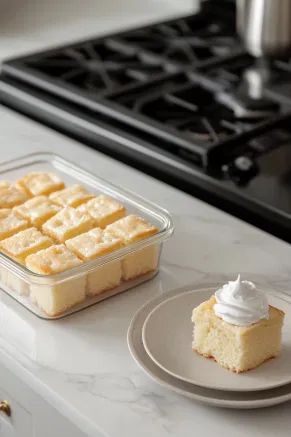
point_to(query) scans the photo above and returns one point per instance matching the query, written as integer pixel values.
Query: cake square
(66, 224)
(18, 247)
(92, 245)
(53, 260)
(36, 210)
(71, 196)
(237, 348)
(11, 195)
(131, 229)
(24, 243)
(56, 298)
(40, 183)
(10, 224)
(104, 210)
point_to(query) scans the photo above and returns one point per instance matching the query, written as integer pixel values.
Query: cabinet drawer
(31, 415)
(20, 421)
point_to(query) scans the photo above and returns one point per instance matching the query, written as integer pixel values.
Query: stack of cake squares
(50, 228)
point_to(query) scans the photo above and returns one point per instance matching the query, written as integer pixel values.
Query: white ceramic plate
(167, 338)
(217, 398)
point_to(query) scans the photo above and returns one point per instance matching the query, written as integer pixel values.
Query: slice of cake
(36, 211)
(92, 245)
(71, 196)
(40, 183)
(18, 247)
(131, 229)
(10, 224)
(56, 298)
(24, 243)
(66, 224)
(103, 210)
(11, 195)
(237, 327)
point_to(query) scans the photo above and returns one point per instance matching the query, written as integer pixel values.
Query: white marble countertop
(73, 363)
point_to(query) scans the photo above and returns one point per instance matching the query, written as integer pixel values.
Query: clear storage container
(14, 275)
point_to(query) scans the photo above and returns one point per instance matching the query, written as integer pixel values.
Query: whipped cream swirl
(241, 303)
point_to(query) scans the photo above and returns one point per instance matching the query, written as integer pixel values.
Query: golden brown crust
(5, 212)
(66, 224)
(10, 224)
(11, 195)
(72, 196)
(104, 210)
(277, 310)
(233, 370)
(36, 210)
(55, 259)
(131, 229)
(148, 272)
(56, 315)
(24, 243)
(40, 183)
(93, 244)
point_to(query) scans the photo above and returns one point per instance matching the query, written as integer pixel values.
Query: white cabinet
(19, 424)
(31, 416)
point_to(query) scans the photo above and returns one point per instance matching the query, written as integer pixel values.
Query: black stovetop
(164, 98)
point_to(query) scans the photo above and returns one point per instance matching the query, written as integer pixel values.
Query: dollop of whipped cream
(241, 303)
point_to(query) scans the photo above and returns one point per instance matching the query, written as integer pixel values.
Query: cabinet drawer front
(31, 415)
(20, 421)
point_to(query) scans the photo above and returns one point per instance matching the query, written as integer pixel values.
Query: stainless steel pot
(265, 26)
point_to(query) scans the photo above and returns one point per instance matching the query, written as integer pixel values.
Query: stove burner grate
(166, 80)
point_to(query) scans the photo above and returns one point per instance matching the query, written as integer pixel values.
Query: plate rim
(241, 404)
(188, 380)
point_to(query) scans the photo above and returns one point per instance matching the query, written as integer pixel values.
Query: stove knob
(241, 170)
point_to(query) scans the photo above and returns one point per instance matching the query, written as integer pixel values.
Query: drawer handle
(5, 408)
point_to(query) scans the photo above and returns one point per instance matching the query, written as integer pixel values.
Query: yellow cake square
(36, 210)
(131, 229)
(11, 195)
(24, 243)
(92, 245)
(10, 224)
(66, 224)
(71, 196)
(40, 183)
(18, 247)
(237, 348)
(104, 210)
(56, 298)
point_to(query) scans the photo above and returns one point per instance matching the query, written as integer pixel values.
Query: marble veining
(82, 364)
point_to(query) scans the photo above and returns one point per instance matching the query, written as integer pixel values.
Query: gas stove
(171, 99)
